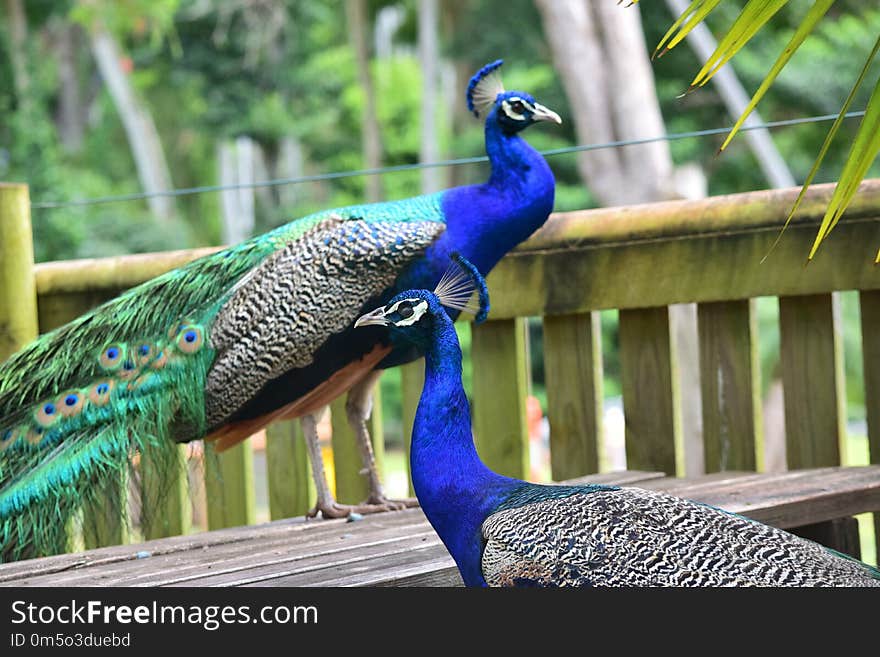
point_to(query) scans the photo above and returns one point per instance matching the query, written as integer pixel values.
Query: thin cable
(427, 165)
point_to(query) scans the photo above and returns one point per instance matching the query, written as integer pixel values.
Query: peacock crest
(484, 88)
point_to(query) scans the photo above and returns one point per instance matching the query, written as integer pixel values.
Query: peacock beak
(542, 113)
(374, 317)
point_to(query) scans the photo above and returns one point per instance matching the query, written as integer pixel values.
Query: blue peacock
(257, 332)
(507, 532)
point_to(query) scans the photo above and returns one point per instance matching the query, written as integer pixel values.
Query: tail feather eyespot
(160, 360)
(112, 357)
(99, 394)
(9, 436)
(129, 368)
(144, 353)
(34, 436)
(190, 339)
(141, 380)
(46, 414)
(70, 403)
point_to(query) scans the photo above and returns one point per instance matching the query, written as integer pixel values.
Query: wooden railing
(637, 259)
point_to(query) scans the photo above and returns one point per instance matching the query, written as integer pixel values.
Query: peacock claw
(384, 504)
(372, 505)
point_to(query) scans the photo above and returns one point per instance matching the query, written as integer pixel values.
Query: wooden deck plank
(315, 569)
(161, 568)
(401, 549)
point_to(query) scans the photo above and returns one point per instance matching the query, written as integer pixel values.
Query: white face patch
(516, 107)
(418, 307)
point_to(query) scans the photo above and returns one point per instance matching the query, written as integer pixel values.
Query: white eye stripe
(507, 107)
(419, 307)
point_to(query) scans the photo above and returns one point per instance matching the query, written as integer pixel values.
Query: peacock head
(414, 314)
(513, 110)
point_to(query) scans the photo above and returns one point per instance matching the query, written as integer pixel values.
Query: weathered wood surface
(730, 384)
(625, 257)
(229, 486)
(709, 249)
(398, 549)
(289, 479)
(811, 353)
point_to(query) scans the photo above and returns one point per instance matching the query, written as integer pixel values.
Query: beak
(542, 113)
(376, 317)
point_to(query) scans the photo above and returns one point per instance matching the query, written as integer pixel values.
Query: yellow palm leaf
(752, 18)
(864, 150)
(817, 11)
(828, 139)
(694, 14)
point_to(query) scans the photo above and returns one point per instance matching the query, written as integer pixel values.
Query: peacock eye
(518, 106)
(405, 311)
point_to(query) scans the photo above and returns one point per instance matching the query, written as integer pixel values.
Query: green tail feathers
(146, 396)
(81, 406)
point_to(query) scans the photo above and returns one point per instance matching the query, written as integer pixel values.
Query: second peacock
(506, 532)
(259, 331)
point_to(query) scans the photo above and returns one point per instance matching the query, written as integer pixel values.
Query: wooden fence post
(18, 292)
(573, 373)
(291, 488)
(229, 486)
(500, 382)
(649, 381)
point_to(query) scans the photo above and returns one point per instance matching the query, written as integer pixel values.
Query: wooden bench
(401, 548)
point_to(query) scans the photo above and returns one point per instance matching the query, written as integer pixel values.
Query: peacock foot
(334, 509)
(383, 503)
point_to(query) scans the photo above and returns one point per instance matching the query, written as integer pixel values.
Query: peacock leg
(358, 407)
(325, 502)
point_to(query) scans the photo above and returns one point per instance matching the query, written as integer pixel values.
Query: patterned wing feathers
(634, 537)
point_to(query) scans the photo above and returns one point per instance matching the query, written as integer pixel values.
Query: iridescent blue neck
(455, 489)
(486, 221)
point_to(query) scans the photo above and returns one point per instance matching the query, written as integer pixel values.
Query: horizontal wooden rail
(685, 251)
(625, 257)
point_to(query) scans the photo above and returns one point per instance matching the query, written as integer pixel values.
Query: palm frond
(755, 14)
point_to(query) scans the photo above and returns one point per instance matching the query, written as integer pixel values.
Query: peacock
(507, 532)
(260, 331)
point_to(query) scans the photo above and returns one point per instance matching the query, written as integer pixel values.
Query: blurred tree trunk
(358, 29)
(599, 49)
(143, 138)
(290, 164)
(18, 48)
(429, 60)
(236, 160)
(70, 116)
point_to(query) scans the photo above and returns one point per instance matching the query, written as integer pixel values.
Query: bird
(257, 332)
(503, 531)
